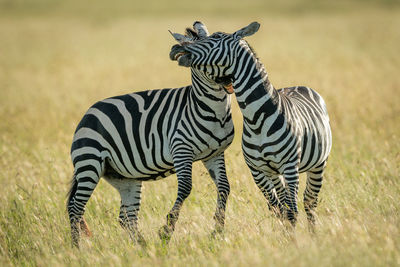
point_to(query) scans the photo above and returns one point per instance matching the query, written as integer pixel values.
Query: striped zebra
(285, 131)
(150, 135)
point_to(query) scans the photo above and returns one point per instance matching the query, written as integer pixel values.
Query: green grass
(59, 57)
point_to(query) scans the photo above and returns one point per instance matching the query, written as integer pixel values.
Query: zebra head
(178, 52)
(214, 55)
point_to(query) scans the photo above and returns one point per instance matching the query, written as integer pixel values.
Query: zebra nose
(175, 50)
(185, 60)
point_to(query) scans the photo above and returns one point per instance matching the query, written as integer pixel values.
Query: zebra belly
(119, 162)
(274, 164)
(111, 173)
(314, 156)
(148, 167)
(315, 146)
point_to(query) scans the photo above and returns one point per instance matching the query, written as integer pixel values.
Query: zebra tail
(72, 190)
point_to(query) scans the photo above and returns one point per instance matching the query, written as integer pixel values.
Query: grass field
(59, 57)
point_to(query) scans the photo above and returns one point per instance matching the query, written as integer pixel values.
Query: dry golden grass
(55, 61)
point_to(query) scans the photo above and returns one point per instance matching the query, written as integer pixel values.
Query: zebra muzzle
(178, 55)
(229, 88)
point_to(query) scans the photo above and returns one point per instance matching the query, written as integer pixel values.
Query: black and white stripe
(146, 136)
(285, 131)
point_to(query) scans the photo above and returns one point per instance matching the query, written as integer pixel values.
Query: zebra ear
(181, 39)
(201, 29)
(251, 29)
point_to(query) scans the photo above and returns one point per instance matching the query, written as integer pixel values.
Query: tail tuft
(85, 228)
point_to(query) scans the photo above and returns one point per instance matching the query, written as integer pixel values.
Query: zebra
(285, 131)
(149, 135)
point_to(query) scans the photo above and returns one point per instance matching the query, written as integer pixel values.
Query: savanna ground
(59, 57)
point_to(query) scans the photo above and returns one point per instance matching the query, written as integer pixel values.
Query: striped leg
(216, 168)
(291, 177)
(313, 186)
(183, 160)
(130, 191)
(279, 186)
(266, 185)
(86, 177)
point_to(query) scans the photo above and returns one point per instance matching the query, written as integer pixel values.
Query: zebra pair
(150, 135)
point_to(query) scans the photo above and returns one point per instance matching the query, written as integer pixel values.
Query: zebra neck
(209, 99)
(253, 90)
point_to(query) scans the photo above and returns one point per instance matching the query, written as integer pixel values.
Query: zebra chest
(221, 138)
(205, 139)
(258, 160)
(217, 141)
(267, 155)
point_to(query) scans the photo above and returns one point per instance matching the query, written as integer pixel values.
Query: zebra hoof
(277, 212)
(311, 225)
(139, 239)
(218, 231)
(292, 223)
(311, 228)
(75, 244)
(217, 234)
(165, 233)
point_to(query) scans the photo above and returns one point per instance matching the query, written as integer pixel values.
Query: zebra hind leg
(313, 187)
(216, 169)
(130, 192)
(84, 181)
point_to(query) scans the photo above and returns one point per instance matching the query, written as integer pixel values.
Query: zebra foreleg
(183, 161)
(313, 187)
(279, 187)
(266, 185)
(130, 192)
(291, 177)
(216, 168)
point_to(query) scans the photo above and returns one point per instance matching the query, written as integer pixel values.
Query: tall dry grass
(56, 59)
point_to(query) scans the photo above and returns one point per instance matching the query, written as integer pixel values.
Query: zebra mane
(260, 66)
(252, 50)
